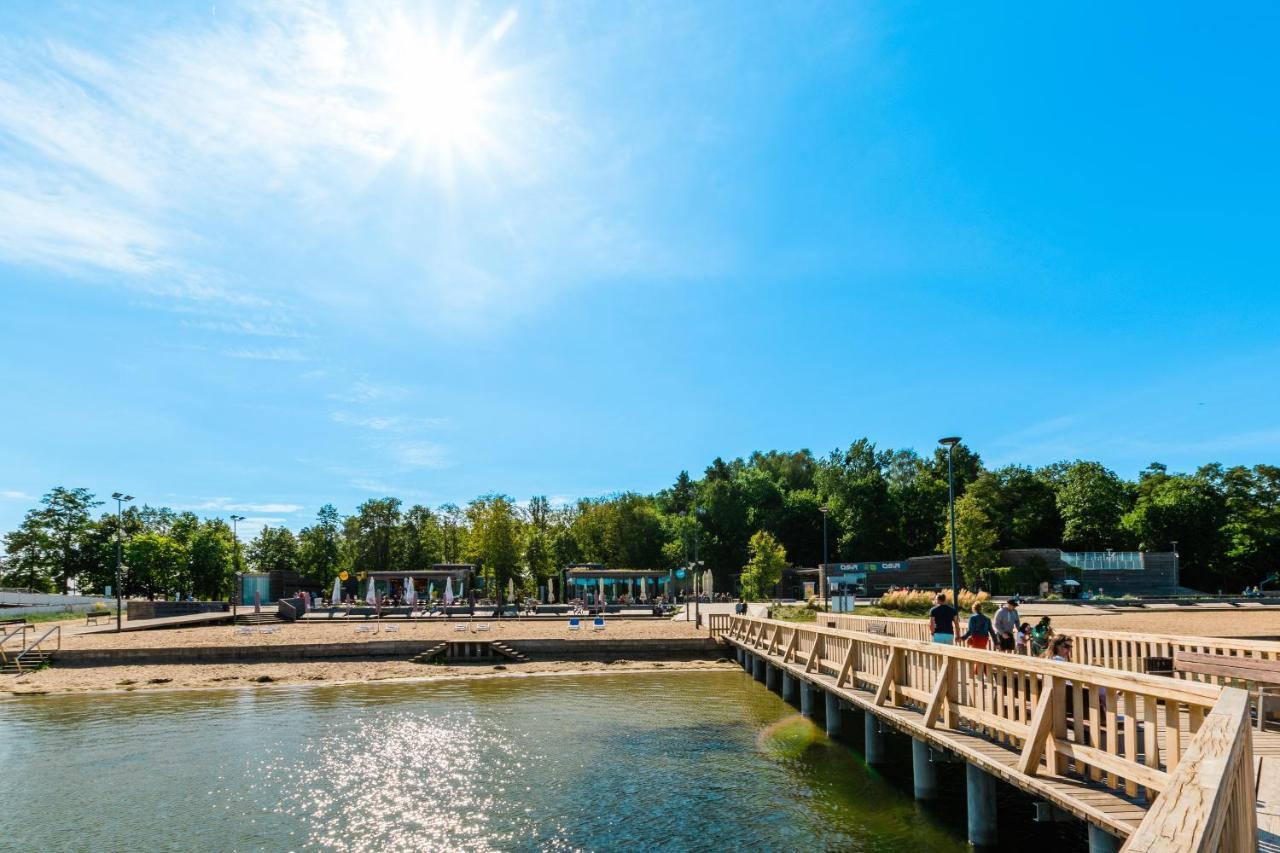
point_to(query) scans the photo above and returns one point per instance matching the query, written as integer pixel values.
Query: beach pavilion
(583, 580)
(461, 575)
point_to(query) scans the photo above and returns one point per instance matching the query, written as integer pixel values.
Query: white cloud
(386, 423)
(11, 495)
(273, 354)
(231, 505)
(419, 454)
(368, 392)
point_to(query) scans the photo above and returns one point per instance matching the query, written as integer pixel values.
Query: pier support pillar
(806, 699)
(873, 748)
(739, 651)
(981, 788)
(788, 687)
(772, 677)
(760, 666)
(1101, 841)
(834, 715)
(924, 773)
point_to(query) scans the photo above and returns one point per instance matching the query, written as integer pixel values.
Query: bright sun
(441, 101)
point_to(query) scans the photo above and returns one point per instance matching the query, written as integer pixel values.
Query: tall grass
(916, 602)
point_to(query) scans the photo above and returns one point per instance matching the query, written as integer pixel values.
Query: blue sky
(258, 258)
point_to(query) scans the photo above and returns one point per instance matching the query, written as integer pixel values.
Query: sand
(1189, 621)
(259, 675)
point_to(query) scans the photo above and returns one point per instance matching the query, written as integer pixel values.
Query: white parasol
(448, 591)
(337, 591)
(410, 594)
(601, 589)
(371, 597)
(511, 589)
(551, 590)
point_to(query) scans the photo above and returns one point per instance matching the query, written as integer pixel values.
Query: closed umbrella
(707, 583)
(448, 591)
(511, 589)
(410, 594)
(337, 591)
(551, 590)
(601, 589)
(372, 595)
(431, 591)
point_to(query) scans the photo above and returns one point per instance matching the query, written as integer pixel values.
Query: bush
(919, 601)
(1020, 580)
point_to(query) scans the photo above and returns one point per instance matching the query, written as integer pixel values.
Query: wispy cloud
(12, 495)
(419, 454)
(386, 423)
(232, 505)
(273, 354)
(369, 392)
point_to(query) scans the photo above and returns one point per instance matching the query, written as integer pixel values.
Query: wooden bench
(1261, 677)
(878, 628)
(91, 617)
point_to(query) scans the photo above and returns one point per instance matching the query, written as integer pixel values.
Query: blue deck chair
(574, 624)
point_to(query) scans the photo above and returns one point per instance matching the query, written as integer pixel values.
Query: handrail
(6, 635)
(1122, 730)
(1209, 803)
(55, 630)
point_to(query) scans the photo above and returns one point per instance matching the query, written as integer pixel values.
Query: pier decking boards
(1043, 727)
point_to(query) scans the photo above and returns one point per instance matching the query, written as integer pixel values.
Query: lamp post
(120, 498)
(822, 575)
(950, 443)
(235, 565)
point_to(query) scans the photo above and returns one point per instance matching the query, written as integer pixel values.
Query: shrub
(920, 601)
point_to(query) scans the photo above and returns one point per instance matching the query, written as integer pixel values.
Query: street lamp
(950, 443)
(235, 565)
(120, 498)
(822, 575)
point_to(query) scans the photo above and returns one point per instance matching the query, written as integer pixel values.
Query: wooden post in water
(833, 714)
(924, 773)
(771, 677)
(789, 685)
(873, 739)
(981, 788)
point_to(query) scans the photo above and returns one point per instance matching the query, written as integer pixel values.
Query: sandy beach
(1190, 621)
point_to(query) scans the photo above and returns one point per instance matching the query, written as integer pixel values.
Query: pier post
(981, 788)
(1101, 841)
(740, 651)
(924, 773)
(873, 748)
(834, 715)
(771, 674)
(760, 666)
(788, 687)
(806, 699)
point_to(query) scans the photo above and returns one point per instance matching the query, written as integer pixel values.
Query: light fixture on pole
(950, 443)
(235, 565)
(120, 498)
(822, 574)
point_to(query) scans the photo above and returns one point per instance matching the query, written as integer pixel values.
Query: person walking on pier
(980, 631)
(1006, 624)
(942, 620)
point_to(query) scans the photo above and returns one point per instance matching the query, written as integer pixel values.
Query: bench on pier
(91, 617)
(1260, 675)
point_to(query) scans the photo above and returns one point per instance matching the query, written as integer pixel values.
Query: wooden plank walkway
(184, 621)
(1109, 808)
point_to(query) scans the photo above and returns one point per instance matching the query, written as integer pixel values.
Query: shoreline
(98, 681)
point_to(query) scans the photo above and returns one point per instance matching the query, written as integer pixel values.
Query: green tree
(976, 539)
(1250, 535)
(1091, 500)
(30, 555)
(453, 532)
(320, 546)
(209, 554)
(494, 540)
(155, 564)
(763, 571)
(370, 535)
(419, 542)
(66, 519)
(273, 549)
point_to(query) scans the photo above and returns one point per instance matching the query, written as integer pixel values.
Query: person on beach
(942, 620)
(980, 631)
(1006, 625)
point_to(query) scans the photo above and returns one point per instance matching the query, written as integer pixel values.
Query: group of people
(1006, 632)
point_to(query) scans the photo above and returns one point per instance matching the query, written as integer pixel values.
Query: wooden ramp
(186, 620)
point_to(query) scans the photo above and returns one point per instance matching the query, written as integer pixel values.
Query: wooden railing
(1209, 802)
(718, 623)
(1127, 732)
(893, 626)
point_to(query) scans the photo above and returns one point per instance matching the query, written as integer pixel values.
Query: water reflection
(666, 760)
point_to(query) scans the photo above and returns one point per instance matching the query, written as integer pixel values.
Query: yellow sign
(342, 576)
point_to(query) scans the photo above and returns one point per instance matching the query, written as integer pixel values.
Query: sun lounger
(598, 625)
(244, 629)
(575, 625)
(389, 628)
(267, 630)
(459, 627)
(363, 629)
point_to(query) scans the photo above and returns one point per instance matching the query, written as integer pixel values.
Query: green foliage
(156, 565)
(494, 541)
(976, 539)
(764, 570)
(1091, 500)
(320, 547)
(273, 549)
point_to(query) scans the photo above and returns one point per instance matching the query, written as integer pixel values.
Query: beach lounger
(483, 626)
(244, 629)
(574, 624)
(598, 625)
(267, 630)
(389, 628)
(363, 629)
(459, 627)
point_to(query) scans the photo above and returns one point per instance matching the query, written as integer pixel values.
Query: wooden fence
(1124, 732)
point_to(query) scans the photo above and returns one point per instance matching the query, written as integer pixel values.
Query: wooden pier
(1159, 763)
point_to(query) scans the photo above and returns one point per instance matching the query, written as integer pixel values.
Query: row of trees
(747, 517)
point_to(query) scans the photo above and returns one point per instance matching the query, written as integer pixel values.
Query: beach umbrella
(601, 589)
(511, 589)
(551, 590)
(410, 594)
(431, 590)
(337, 591)
(448, 591)
(708, 582)
(372, 595)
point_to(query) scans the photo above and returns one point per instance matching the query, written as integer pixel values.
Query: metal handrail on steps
(56, 630)
(7, 634)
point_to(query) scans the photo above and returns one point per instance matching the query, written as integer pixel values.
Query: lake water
(681, 761)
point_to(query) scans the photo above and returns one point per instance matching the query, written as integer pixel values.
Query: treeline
(882, 505)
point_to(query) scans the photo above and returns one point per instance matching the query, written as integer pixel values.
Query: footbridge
(1149, 762)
